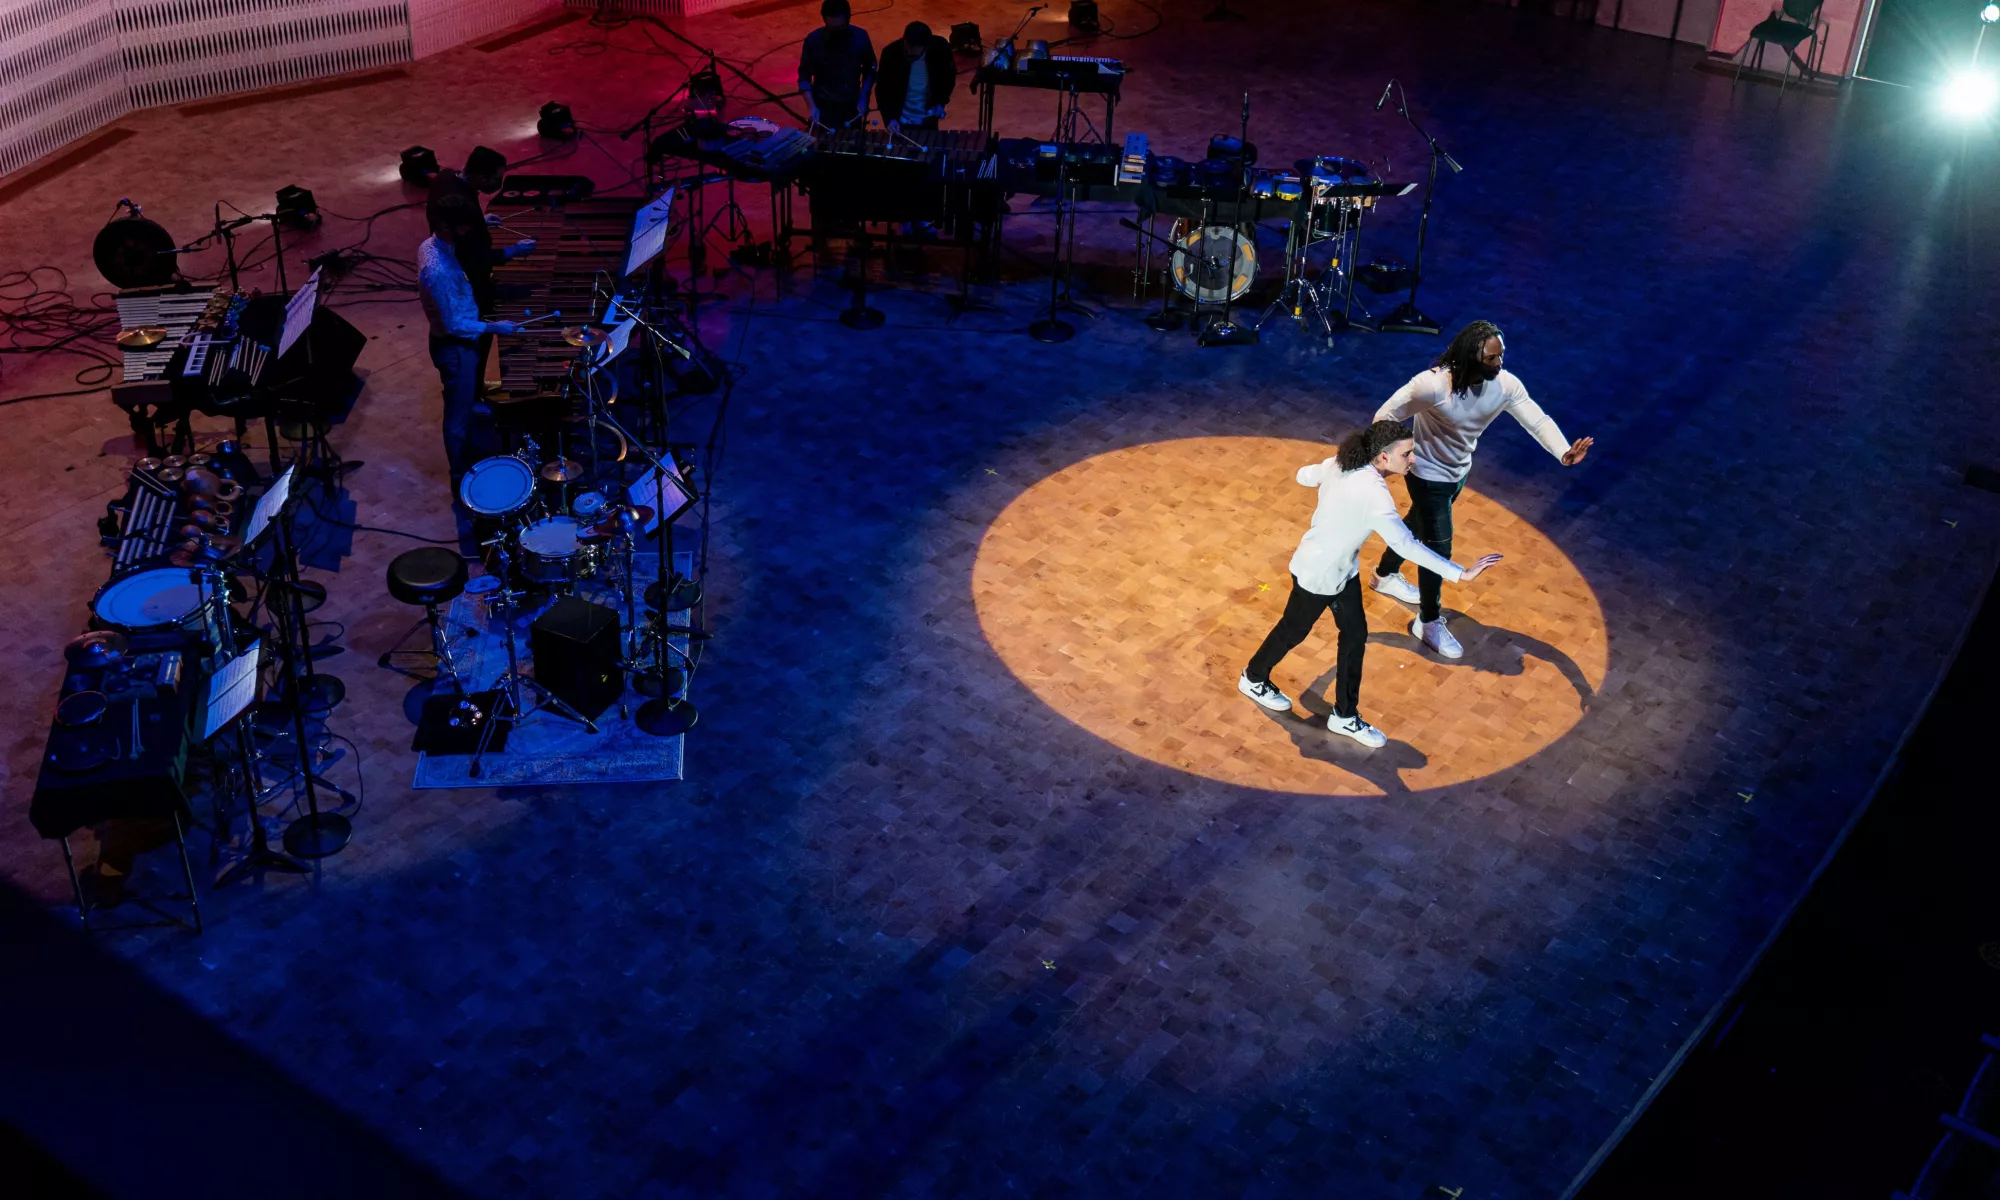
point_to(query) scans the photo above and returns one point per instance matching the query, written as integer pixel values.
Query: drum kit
(559, 532)
(1329, 197)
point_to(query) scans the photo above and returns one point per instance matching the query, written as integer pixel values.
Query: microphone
(1385, 95)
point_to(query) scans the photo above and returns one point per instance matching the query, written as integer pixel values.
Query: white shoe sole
(1276, 702)
(1375, 742)
(1417, 632)
(1397, 588)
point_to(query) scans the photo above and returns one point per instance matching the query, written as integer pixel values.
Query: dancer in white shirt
(1451, 404)
(1354, 501)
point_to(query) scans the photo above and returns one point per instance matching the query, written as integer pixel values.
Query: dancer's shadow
(1488, 648)
(1382, 767)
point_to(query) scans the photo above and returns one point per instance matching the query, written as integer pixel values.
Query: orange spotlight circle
(1128, 591)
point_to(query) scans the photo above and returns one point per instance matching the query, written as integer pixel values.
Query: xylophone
(581, 248)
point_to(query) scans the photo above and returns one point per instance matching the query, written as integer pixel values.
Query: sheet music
(644, 490)
(650, 226)
(231, 690)
(621, 336)
(299, 313)
(268, 506)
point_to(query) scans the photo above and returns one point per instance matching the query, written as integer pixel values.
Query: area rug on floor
(549, 747)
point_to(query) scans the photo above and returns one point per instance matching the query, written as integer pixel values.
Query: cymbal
(609, 526)
(563, 470)
(99, 649)
(585, 335)
(142, 337)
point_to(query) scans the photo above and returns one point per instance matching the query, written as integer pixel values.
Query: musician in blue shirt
(456, 328)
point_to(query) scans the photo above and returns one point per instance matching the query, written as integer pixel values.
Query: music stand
(232, 691)
(316, 834)
(651, 226)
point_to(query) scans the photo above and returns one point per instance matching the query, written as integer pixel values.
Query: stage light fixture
(296, 207)
(1990, 13)
(965, 38)
(420, 166)
(556, 121)
(1083, 16)
(1970, 95)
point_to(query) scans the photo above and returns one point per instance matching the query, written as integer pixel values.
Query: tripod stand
(261, 856)
(1407, 317)
(508, 707)
(1053, 328)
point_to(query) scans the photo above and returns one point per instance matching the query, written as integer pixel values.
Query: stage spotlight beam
(1970, 95)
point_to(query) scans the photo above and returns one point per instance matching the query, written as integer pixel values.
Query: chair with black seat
(430, 576)
(1794, 22)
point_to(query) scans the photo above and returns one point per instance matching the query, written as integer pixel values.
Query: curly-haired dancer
(1354, 501)
(1451, 404)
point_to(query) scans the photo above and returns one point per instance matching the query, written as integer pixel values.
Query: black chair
(1795, 22)
(430, 576)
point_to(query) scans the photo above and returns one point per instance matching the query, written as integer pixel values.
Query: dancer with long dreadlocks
(1450, 404)
(1354, 502)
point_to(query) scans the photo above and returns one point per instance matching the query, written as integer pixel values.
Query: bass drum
(1215, 263)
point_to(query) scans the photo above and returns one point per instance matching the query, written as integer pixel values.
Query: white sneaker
(1358, 729)
(1398, 588)
(1266, 694)
(1437, 637)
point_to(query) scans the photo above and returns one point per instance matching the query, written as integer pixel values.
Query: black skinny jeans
(1430, 519)
(1302, 610)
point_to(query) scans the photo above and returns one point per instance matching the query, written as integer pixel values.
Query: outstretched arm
(1405, 543)
(1544, 428)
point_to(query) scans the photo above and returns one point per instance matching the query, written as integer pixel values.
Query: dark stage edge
(903, 936)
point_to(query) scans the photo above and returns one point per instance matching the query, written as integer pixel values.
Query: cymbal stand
(503, 602)
(666, 714)
(1223, 331)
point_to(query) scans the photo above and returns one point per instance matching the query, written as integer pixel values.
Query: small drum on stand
(588, 506)
(155, 601)
(497, 487)
(552, 554)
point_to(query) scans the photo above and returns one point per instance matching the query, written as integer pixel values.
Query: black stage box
(574, 646)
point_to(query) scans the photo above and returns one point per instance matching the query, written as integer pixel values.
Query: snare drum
(497, 486)
(551, 553)
(150, 601)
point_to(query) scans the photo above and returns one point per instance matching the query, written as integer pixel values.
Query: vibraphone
(863, 175)
(581, 245)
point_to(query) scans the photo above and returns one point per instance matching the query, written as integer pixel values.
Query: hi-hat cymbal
(585, 335)
(142, 337)
(563, 470)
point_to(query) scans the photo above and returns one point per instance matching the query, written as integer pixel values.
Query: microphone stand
(1407, 317)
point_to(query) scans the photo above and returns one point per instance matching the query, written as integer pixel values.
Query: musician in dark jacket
(836, 68)
(916, 79)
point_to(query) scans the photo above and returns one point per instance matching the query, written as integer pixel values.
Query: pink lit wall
(1842, 19)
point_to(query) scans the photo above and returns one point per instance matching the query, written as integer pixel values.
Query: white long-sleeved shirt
(1448, 424)
(1352, 505)
(446, 292)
